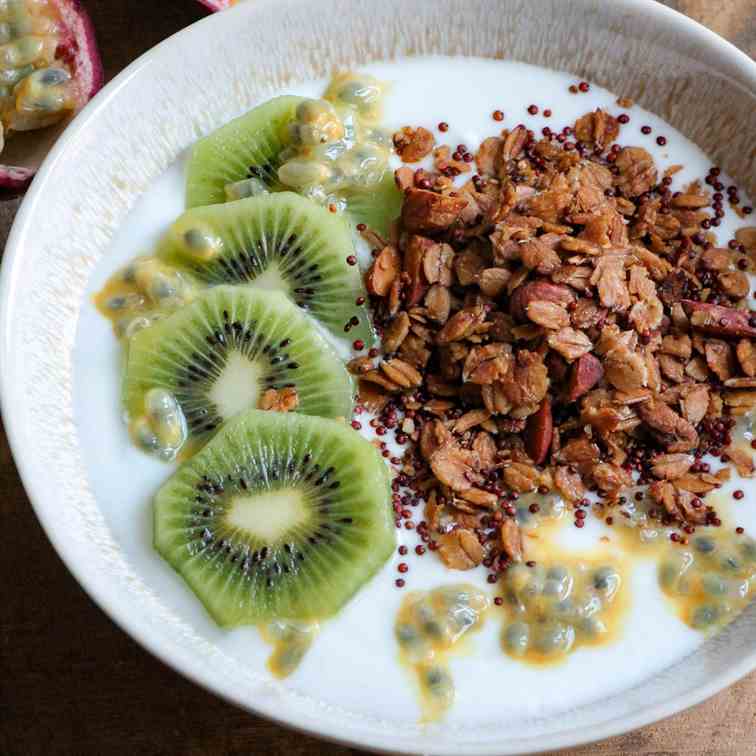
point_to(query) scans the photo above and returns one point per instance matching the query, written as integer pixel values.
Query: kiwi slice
(376, 206)
(246, 148)
(217, 355)
(279, 516)
(277, 241)
(242, 159)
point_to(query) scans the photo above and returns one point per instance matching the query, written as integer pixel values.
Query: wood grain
(72, 683)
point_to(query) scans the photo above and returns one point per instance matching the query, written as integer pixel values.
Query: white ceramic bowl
(192, 83)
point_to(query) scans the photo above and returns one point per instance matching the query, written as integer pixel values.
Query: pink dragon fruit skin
(77, 49)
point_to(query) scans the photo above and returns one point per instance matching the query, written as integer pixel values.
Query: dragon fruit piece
(49, 69)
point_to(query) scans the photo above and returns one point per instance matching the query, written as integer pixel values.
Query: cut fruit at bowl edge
(81, 46)
(79, 49)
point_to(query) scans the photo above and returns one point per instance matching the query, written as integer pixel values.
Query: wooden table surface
(71, 682)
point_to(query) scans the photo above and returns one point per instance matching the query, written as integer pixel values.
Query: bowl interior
(636, 48)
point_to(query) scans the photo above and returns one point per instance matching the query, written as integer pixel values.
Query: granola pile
(561, 322)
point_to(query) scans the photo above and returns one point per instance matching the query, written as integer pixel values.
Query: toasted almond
(493, 281)
(480, 498)
(511, 540)
(690, 201)
(470, 420)
(383, 272)
(460, 549)
(375, 376)
(360, 365)
(401, 373)
(549, 315)
(396, 332)
(438, 303)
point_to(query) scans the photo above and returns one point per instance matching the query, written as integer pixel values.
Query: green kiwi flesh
(279, 516)
(217, 355)
(243, 158)
(377, 206)
(246, 148)
(276, 241)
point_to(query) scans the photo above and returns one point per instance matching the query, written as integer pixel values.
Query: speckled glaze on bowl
(189, 85)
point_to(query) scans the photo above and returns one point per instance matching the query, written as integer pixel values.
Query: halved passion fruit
(49, 69)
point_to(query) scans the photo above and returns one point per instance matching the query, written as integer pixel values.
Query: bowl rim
(127, 622)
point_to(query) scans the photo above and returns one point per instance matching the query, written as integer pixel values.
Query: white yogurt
(356, 653)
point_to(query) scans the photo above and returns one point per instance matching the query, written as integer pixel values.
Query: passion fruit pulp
(49, 69)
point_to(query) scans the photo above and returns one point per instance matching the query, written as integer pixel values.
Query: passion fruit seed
(9, 77)
(748, 549)
(362, 92)
(290, 640)
(142, 434)
(131, 301)
(558, 583)
(250, 187)
(159, 283)
(555, 608)
(301, 173)
(364, 165)
(26, 51)
(428, 626)
(704, 544)
(705, 616)
(406, 635)
(162, 428)
(517, 638)
(439, 684)
(606, 580)
(317, 123)
(553, 638)
(668, 575)
(533, 510)
(714, 584)
(332, 150)
(201, 244)
(28, 43)
(593, 627)
(41, 97)
(711, 583)
(126, 328)
(142, 293)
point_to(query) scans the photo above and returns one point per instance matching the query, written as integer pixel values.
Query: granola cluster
(563, 321)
